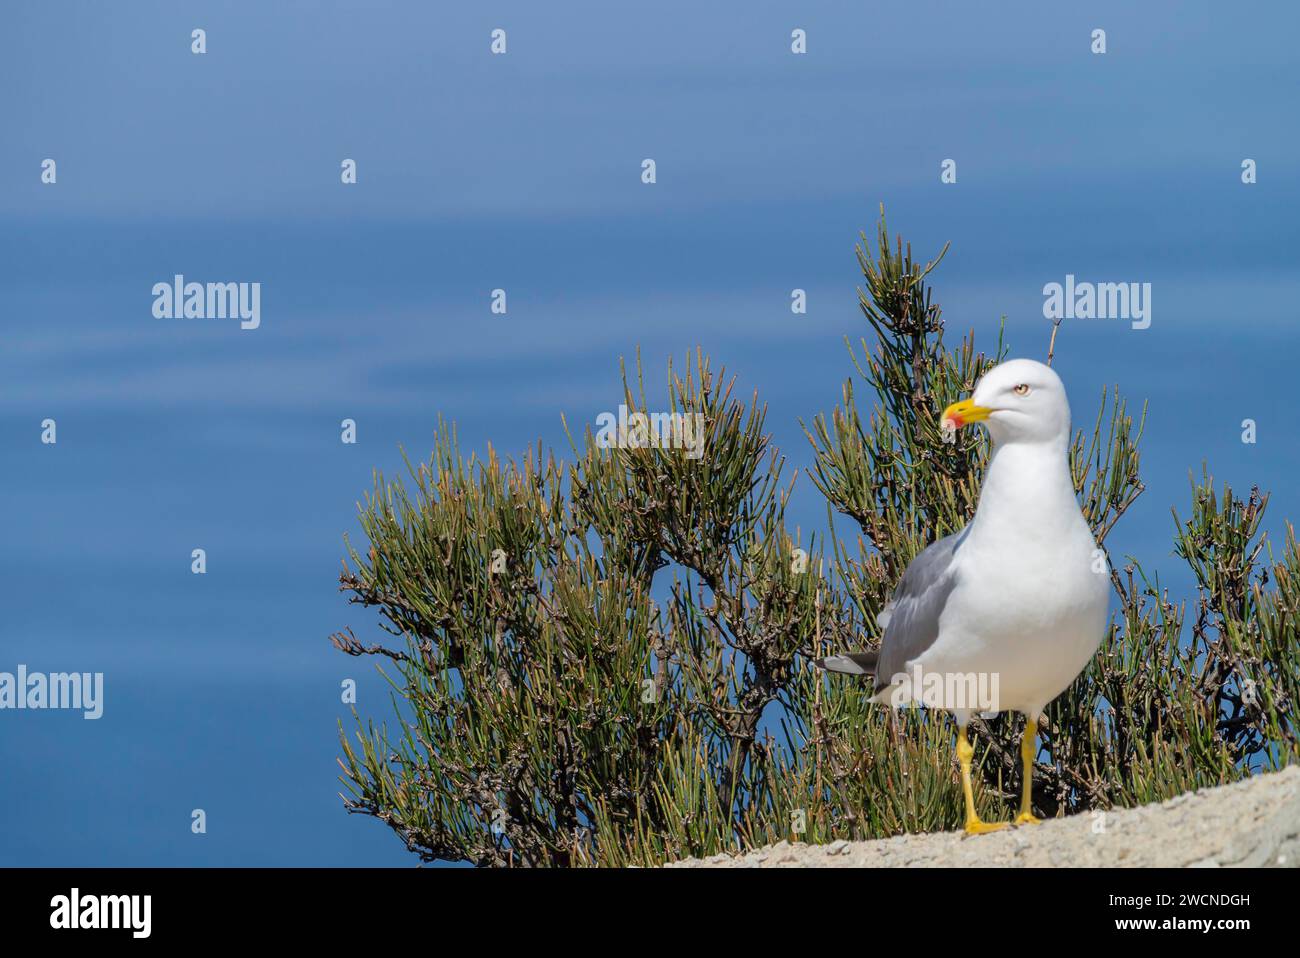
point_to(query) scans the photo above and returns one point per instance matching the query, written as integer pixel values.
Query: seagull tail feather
(855, 663)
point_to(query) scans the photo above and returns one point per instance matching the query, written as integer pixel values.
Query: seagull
(1005, 614)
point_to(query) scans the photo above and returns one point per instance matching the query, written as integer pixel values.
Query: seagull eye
(1021, 390)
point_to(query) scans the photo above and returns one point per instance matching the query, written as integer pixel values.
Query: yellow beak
(964, 413)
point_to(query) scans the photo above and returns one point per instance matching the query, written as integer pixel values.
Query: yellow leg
(1027, 753)
(964, 755)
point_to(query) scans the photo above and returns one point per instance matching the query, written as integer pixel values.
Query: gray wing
(911, 617)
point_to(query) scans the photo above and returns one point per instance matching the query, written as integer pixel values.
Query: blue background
(523, 172)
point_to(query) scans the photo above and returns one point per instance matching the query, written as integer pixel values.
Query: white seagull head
(1019, 401)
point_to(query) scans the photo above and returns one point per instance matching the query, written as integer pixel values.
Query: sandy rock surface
(1252, 823)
